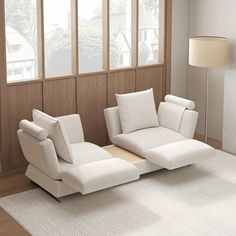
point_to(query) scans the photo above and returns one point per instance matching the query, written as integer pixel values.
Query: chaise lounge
(62, 163)
(166, 142)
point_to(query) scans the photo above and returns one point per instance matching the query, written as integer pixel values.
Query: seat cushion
(137, 110)
(56, 132)
(99, 175)
(88, 152)
(178, 154)
(85, 153)
(140, 141)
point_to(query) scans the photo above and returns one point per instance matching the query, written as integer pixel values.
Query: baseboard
(212, 142)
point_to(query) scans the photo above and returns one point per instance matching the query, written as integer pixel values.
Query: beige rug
(195, 200)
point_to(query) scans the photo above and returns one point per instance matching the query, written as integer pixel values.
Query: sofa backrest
(73, 127)
(38, 149)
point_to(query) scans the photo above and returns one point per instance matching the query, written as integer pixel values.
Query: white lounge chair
(169, 144)
(62, 163)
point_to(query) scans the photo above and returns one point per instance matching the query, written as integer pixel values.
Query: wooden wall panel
(21, 100)
(168, 40)
(87, 95)
(120, 82)
(151, 77)
(60, 97)
(92, 100)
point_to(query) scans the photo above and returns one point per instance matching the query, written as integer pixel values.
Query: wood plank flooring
(12, 182)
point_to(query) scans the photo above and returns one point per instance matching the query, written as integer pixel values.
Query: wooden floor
(11, 182)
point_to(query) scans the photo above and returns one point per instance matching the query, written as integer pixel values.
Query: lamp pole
(206, 105)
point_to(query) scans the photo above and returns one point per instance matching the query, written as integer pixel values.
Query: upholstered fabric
(33, 129)
(179, 154)
(170, 115)
(73, 127)
(57, 188)
(188, 123)
(188, 104)
(56, 132)
(137, 111)
(99, 175)
(113, 124)
(140, 141)
(85, 153)
(40, 154)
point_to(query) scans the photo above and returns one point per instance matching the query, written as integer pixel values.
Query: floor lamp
(208, 52)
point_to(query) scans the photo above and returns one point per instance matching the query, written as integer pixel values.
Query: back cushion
(170, 115)
(56, 132)
(137, 110)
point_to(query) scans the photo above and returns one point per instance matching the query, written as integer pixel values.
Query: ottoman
(179, 154)
(98, 175)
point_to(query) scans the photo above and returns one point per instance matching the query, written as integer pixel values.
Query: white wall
(206, 17)
(229, 127)
(179, 63)
(211, 17)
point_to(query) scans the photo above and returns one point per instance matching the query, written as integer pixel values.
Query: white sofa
(170, 144)
(62, 163)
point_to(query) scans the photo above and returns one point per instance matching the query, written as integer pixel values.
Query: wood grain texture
(60, 97)
(168, 30)
(19, 103)
(9, 227)
(92, 100)
(12, 182)
(3, 82)
(15, 181)
(151, 77)
(120, 82)
(122, 153)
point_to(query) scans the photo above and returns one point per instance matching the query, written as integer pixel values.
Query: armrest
(188, 104)
(40, 153)
(33, 130)
(73, 127)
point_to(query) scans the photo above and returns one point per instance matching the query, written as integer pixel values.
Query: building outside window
(22, 36)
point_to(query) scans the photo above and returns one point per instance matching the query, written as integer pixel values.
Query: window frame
(106, 42)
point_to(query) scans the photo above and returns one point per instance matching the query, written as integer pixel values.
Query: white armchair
(62, 163)
(177, 121)
(166, 144)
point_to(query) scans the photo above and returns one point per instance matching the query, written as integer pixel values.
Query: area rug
(194, 200)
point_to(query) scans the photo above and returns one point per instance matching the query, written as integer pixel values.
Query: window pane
(57, 28)
(120, 33)
(21, 40)
(148, 32)
(90, 36)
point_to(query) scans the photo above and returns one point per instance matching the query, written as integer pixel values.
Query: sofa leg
(57, 199)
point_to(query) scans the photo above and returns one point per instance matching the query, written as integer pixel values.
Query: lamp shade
(208, 51)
